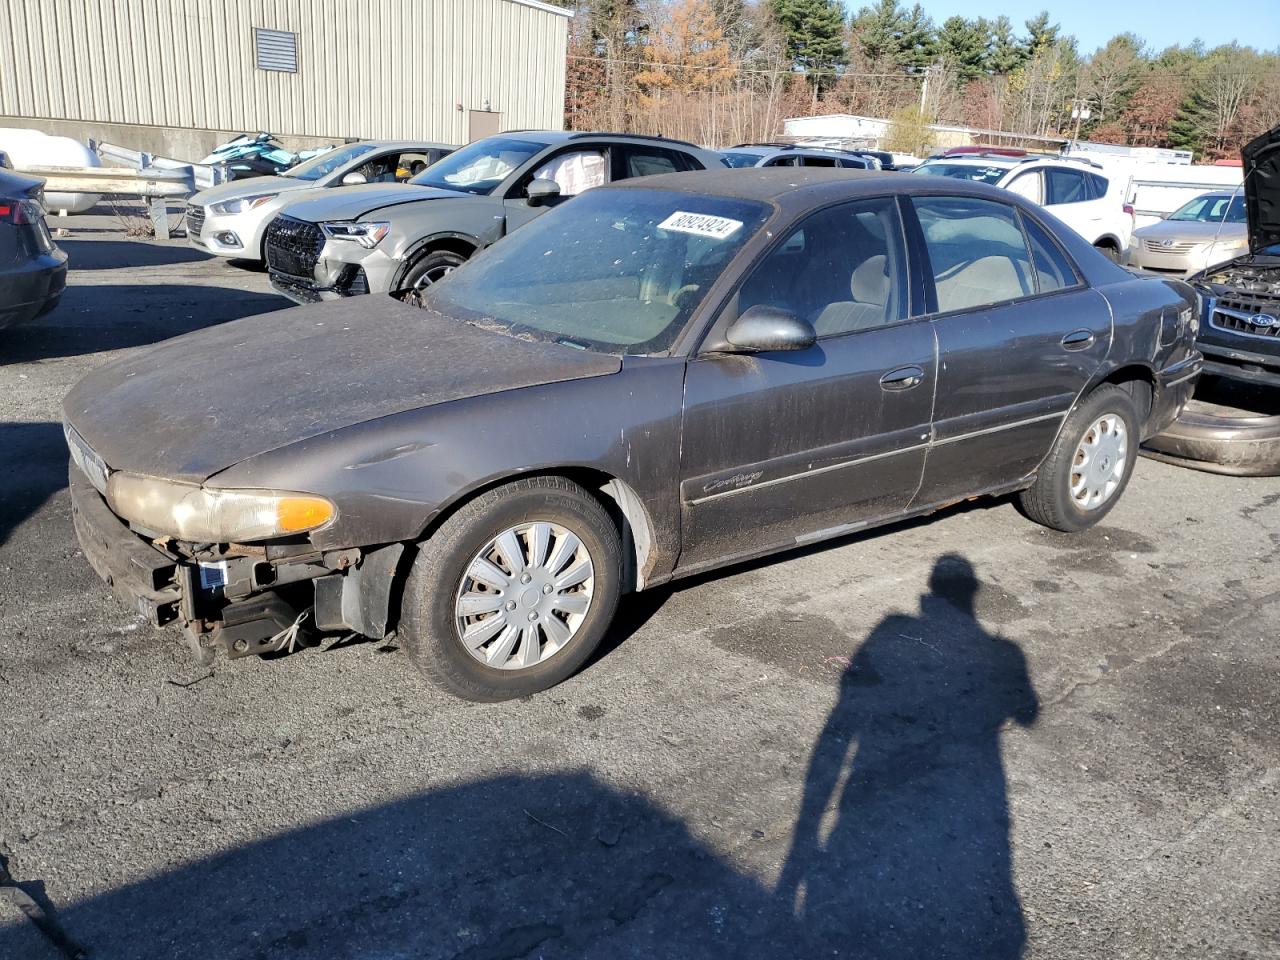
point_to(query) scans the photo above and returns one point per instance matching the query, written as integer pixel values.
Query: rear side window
(1053, 269)
(1097, 184)
(1065, 186)
(977, 251)
(648, 161)
(819, 161)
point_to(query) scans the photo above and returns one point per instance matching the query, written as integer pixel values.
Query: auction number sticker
(701, 225)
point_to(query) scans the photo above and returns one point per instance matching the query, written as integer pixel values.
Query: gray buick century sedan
(654, 380)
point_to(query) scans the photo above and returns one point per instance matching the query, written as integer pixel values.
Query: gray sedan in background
(656, 380)
(1209, 230)
(229, 220)
(402, 238)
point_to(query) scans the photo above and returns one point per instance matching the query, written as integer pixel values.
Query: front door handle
(902, 378)
(1078, 340)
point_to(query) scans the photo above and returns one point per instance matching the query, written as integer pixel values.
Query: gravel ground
(967, 737)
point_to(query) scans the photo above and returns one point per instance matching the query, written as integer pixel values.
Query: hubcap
(434, 275)
(524, 596)
(1099, 462)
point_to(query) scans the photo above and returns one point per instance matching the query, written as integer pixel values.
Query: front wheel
(513, 592)
(428, 270)
(1089, 465)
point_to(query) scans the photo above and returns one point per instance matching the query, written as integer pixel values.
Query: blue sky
(1162, 23)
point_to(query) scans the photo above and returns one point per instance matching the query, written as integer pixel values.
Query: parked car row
(652, 380)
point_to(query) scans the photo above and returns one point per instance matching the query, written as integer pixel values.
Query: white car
(229, 220)
(1076, 191)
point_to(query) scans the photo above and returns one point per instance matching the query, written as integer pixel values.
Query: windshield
(327, 162)
(741, 159)
(1213, 208)
(977, 172)
(480, 166)
(614, 270)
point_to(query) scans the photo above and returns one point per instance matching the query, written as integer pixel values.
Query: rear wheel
(1089, 465)
(513, 592)
(428, 270)
(1109, 251)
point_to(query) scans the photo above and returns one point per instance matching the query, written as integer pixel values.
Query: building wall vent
(275, 50)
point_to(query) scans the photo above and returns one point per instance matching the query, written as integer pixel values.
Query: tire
(1050, 500)
(1220, 439)
(1108, 251)
(431, 622)
(427, 270)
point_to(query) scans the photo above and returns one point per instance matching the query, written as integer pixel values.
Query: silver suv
(401, 238)
(790, 155)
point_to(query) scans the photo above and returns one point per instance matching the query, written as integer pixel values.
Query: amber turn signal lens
(302, 513)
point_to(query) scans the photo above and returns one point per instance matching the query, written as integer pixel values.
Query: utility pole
(1079, 111)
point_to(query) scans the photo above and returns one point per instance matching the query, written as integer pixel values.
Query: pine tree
(888, 33)
(965, 46)
(814, 31)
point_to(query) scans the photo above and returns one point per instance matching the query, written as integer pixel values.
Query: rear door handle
(1078, 339)
(902, 378)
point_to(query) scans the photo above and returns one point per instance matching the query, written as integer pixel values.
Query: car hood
(1261, 157)
(252, 187)
(351, 203)
(1190, 231)
(195, 405)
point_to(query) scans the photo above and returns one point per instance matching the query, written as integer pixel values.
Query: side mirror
(353, 178)
(541, 190)
(764, 328)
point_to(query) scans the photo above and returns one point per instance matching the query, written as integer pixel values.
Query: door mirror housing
(763, 328)
(541, 190)
(353, 178)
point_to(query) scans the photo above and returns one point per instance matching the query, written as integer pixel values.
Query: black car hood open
(195, 405)
(1261, 158)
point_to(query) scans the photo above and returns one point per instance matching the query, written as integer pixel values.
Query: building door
(482, 123)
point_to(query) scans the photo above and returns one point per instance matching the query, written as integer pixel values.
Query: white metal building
(176, 76)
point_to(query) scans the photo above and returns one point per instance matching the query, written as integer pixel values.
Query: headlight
(242, 204)
(192, 512)
(368, 235)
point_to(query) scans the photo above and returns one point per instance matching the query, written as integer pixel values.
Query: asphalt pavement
(960, 737)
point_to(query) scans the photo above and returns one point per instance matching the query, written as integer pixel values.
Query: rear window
(741, 159)
(977, 172)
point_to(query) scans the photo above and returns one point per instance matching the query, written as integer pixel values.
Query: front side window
(481, 166)
(977, 251)
(328, 162)
(575, 171)
(1029, 185)
(617, 270)
(841, 269)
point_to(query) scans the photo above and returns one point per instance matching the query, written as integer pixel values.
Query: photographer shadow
(901, 846)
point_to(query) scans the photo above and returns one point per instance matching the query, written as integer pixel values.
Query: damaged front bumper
(237, 599)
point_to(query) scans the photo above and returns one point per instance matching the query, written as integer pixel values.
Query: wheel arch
(619, 498)
(1138, 379)
(452, 240)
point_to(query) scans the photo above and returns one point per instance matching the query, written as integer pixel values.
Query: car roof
(800, 188)
(972, 160)
(550, 137)
(401, 145)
